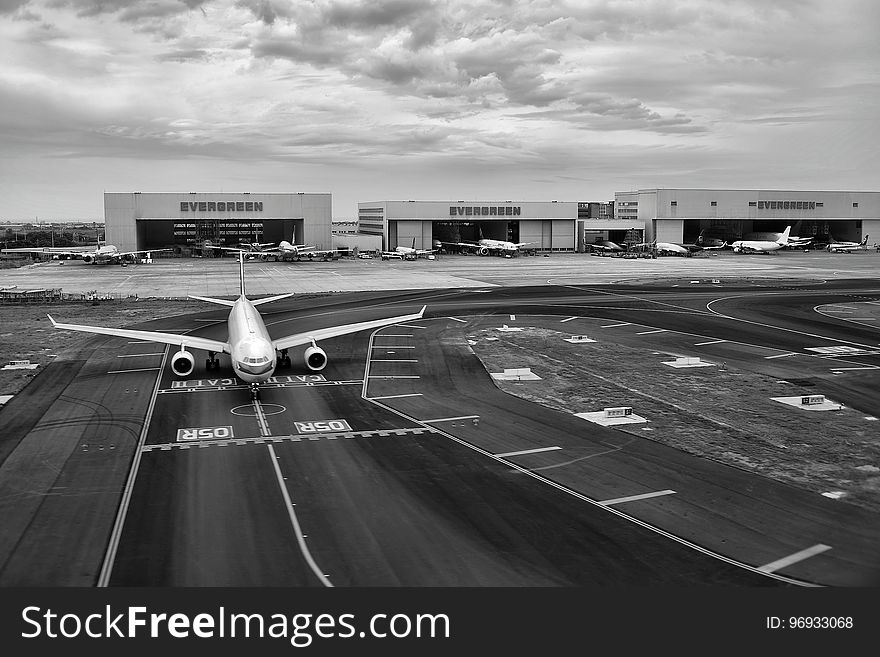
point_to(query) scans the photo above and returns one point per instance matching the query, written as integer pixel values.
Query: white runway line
(700, 344)
(568, 319)
(393, 360)
(649, 332)
(449, 419)
(409, 394)
(632, 498)
(528, 451)
(161, 353)
(781, 355)
(392, 346)
(794, 558)
(463, 321)
(293, 520)
(616, 325)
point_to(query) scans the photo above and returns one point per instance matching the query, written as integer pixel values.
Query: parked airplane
(253, 352)
(105, 254)
(762, 246)
(287, 251)
(407, 252)
(847, 247)
(485, 246)
(607, 246)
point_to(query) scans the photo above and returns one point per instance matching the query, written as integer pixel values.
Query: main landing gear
(212, 363)
(283, 359)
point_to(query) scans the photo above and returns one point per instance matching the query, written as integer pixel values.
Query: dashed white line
(463, 321)
(781, 355)
(649, 332)
(393, 360)
(700, 344)
(794, 558)
(616, 325)
(161, 353)
(567, 319)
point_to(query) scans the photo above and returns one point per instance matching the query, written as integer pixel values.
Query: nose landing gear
(255, 391)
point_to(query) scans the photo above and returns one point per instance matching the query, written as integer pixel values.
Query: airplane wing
(335, 331)
(153, 336)
(45, 250)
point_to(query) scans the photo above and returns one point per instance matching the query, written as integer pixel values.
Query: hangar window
(714, 203)
(673, 203)
(855, 205)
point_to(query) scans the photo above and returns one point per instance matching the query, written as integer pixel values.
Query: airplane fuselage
(251, 350)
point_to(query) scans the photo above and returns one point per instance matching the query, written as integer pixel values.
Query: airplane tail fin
(783, 239)
(864, 241)
(241, 270)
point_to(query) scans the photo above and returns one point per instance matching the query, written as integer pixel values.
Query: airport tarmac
(179, 277)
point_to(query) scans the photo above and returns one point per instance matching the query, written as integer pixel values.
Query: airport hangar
(683, 215)
(141, 221)
(545, 225)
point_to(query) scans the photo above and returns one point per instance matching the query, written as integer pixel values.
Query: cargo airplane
(762, 246)
(253, 352)
(846, 247)
(106, 254)
(407, 252)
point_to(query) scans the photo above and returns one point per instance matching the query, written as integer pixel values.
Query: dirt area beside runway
(700, 410)
(26, 334)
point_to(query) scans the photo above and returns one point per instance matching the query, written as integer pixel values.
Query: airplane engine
(183, 363)
(316, 358)
(484, 251)
(87, 259)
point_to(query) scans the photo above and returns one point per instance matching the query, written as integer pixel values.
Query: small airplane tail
(241, 271)
(864, 241)
(783, 239)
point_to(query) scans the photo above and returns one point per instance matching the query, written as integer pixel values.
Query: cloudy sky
(432, 100)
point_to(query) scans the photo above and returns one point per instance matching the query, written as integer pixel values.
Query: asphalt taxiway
(402, 464)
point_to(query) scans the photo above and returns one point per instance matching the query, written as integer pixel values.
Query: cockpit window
(256, 361)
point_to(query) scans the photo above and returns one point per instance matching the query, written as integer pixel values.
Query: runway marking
(528, 451)
(779, 564)
(392, 376)
(300, 537)
(409, 394)
(392, 346)
(161, 353)
(394, 335)
(655, 331)
(449, 419)
(781, 356)
(394, 360)
(633, 498)
(145, 369)
(700, 344)
(290, 438)
(116, 534)
(568, 319)
(261, 418)
(569, 491)
(411, 326)
(513, 318)
(848, 369)
(463, 321)
(616, 325)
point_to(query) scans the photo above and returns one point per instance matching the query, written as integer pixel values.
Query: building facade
(687, 215)
(545, 225)
(138, 221)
